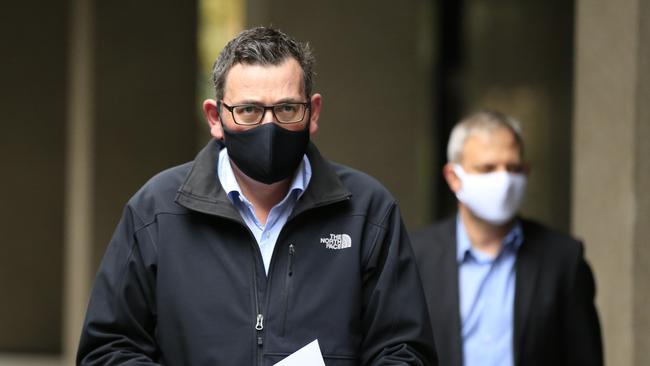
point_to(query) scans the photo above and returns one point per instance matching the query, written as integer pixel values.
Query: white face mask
(494, 197)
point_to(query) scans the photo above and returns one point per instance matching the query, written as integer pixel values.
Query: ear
(452, 179)
(211, 113)
(316, 105)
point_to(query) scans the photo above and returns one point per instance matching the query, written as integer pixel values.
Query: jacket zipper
(287, 286)
(259, 316)
(259, 319)
(292, 252)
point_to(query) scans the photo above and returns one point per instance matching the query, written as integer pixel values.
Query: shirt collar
(233, 191)
(512, 241)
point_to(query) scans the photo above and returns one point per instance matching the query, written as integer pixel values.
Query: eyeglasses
(253, 114)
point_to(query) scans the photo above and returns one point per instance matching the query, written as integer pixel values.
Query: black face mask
(267, 153)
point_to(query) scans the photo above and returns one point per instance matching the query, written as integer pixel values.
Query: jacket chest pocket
(315, 291)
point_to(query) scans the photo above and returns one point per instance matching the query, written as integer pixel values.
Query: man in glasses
(259, 246)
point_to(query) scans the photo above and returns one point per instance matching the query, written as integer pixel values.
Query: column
(611, 168)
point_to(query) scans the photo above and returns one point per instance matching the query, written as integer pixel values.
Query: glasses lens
(247, 114)
(289, 112)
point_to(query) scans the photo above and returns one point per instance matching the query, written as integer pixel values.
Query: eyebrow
(281, 101)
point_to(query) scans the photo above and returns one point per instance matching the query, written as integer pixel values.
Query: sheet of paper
(307, 355)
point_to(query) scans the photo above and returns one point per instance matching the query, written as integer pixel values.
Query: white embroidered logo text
(337, 241)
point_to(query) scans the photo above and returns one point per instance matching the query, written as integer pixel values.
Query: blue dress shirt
(487, 289)
(266, 235)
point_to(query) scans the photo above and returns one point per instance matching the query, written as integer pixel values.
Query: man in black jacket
(502, 290)
(259, 246)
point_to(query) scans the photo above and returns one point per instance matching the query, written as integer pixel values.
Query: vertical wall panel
(518, 58)
(611, 172)
(145, 79)
(32, 149)
(373, 62)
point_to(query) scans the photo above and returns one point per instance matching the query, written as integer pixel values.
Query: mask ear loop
(460, 172)
(308, 115)
(219, 109)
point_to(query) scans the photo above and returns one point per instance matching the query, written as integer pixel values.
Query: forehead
(258, 81)
(491, 147)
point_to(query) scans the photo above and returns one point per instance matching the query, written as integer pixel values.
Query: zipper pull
(260, 322)
(292, 251)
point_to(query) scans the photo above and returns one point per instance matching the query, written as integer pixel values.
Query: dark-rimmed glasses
(253, 114)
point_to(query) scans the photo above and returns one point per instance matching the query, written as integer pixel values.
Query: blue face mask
(267, 153)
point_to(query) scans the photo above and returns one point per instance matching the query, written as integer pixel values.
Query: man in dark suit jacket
(503, 290)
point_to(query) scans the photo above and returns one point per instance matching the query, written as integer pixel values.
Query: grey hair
(262, 46)
(482, 121)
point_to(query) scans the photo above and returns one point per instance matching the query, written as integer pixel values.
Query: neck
(484, 236)
(262, 196)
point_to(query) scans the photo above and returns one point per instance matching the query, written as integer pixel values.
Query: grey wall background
(611, 168)
(518, 58)
(144, 76)
(371, 61)
(99, 96)
(32, 156)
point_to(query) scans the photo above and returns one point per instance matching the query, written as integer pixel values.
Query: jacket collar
(201, 191)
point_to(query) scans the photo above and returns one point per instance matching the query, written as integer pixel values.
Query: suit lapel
(449, 319)
(527, 270)
(436, 254)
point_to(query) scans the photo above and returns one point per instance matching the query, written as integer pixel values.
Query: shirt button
(267, 234)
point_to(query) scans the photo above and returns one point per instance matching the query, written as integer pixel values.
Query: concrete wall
(373, 69)
(641, 273)
(518, 58)
(96, 98)
(32, 159)
(612, 168)
(96, 102)
(144, 84)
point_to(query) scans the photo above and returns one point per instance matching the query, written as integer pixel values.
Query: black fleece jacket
(182, 281)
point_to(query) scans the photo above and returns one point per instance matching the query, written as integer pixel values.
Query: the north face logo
(337, 241)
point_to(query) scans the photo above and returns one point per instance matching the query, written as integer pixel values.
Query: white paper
(307, 355)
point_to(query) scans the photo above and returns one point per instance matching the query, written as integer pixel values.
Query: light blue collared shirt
(487, 292)
(266, 235)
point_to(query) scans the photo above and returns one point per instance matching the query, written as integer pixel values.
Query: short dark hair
(262, 46)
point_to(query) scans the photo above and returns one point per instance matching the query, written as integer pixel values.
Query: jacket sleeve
(395, 317)
(120, 319)
(583, 343)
